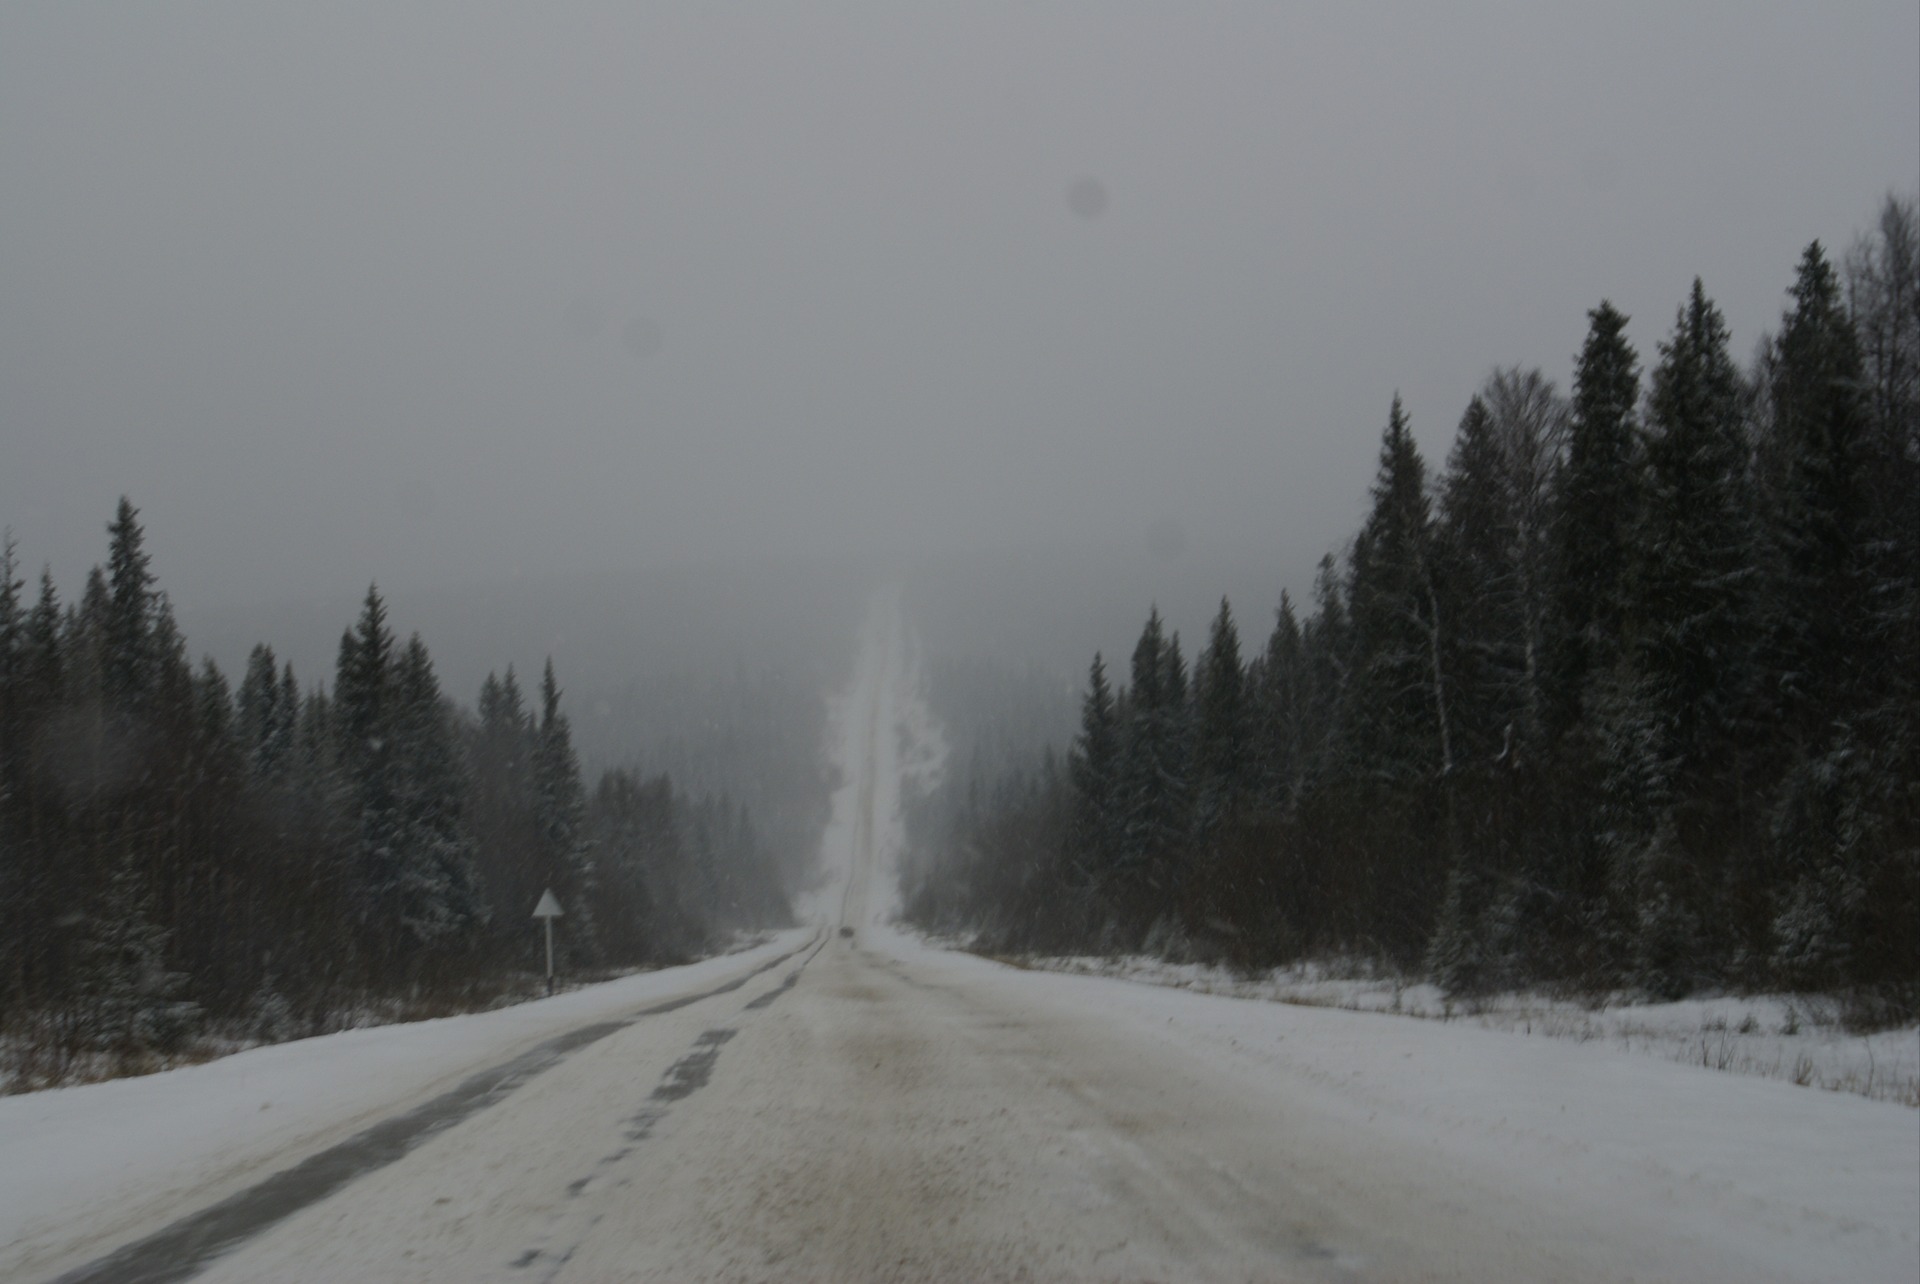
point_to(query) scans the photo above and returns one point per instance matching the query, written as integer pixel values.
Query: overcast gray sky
(453, 292)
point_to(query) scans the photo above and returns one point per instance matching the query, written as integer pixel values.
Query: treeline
(181, 859)
(1629, 696)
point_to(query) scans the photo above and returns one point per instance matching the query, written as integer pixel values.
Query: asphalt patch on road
(766, 1000)
(793, 978)
(183, 1249)
(690, 1073)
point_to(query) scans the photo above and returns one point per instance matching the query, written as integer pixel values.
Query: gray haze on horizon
(462, 295)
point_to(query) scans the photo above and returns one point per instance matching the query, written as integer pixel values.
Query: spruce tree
(215, 717)
(1480, 586)
(1154, 797)
(130, 1001)
(1458, 957)
(1280, 714)
(1175, 820)
(266, 722)
(1820, 514)
(560, 808)
(1694, 598)
(1845, 814)
(437, 898)
(41, 660)
(362, 717)
(1400, 729)
(1327, 639)
(1142, 747)
(502, 806)
(362, 693)
(1680, 718)
(1597, 504)
(1223, 756)
(128, 660)
(1093, 767)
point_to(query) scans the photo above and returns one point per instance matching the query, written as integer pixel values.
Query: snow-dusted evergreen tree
(128, 661)
(365, 750)
(1154, 799)
(1846, 823)
(1141, 747)
(1482, 593)
(642, 859)
(42, 664)
(1093, 766)
(1494, 578)
(129, 1001)
(560, 811)
(1819, 512)
(1174, 733)
(1223, 760)
(1399, 714)
(1461, 957)
(1884, 294)
(436, 895)
(504, 813)
(1280, 716)
(1482, 587)
(269, 713)
(216, 736)
(1695, 575)
(1327, 640)
(1597, 503)
(1694, 625)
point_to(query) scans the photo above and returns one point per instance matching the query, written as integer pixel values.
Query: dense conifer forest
(1626, 697)
(184, 864)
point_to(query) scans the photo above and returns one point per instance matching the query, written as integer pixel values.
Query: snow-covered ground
(909, 1112)
(1662, 1169)
(1799, 1039)
(106, 1161)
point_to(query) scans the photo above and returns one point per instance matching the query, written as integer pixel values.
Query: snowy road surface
(874, 1109)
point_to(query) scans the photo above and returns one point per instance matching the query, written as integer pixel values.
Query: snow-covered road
(875, 1109)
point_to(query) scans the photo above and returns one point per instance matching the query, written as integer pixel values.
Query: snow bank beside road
(106, 1161)
(1795, 1038)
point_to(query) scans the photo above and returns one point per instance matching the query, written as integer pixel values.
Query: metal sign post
(546, 911)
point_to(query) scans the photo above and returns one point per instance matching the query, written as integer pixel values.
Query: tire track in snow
(869, 713)
(682, 1079)
(182, 1249)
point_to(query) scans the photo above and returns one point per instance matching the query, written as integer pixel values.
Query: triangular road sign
(549, 906)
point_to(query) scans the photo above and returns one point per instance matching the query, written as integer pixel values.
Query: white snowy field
(104, 1162)
(1798, 1039)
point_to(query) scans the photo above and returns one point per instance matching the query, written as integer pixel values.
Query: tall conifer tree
(1597, 502)
(1400, 712)
(1223, 755)
(1820, 515)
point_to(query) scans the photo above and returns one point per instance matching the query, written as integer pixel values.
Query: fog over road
(876, 1109)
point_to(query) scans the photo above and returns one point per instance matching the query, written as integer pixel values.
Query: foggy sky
(443, 294)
